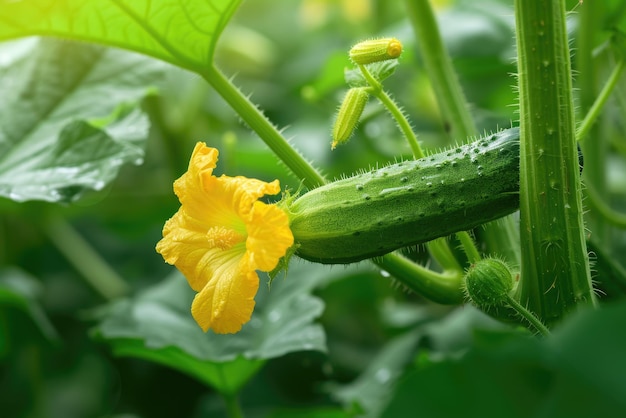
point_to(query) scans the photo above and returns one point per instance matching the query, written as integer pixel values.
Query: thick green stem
(251, 114)
(555, 267)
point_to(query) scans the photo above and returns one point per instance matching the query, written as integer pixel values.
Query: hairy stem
(528, 316)
(555, 266)
(396, 113)
(310, 177)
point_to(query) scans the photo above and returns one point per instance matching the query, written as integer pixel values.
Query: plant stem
(506, 243)
(608, 214)
(396, 113)
(445, 288)
(84, 258)
(440, 250)
(591, 23)
(528, 316)
(593, 113)
(232, 406)
(555, 266)
(251, 114)
(469, 247)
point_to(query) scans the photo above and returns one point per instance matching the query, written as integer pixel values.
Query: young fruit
(408, 203)
(349, 114)
(375, 50)
(488, 283)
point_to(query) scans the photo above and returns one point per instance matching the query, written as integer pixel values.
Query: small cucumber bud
(375, 50)
(488, 283)
(349, 114)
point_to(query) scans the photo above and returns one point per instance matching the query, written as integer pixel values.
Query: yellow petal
(203, 161)
(227, 301)
(220, 236)
(269, 236)
(187, 245)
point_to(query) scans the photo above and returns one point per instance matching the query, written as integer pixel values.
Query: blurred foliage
(332, 341)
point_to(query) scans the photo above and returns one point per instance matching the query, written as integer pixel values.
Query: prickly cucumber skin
(408, 203)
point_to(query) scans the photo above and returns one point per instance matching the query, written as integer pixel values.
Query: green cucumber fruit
(410, 202)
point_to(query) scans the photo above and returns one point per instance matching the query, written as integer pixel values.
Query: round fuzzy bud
(375, 50)
(349, 114)
(488, 283)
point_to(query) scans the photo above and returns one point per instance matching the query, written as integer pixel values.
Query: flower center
(223, 238)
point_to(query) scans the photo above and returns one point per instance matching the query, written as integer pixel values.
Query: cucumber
(408, 203)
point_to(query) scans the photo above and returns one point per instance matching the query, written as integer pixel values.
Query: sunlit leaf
(69, 117)
(182, 32)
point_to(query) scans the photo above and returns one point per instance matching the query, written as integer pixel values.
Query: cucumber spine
(408, 203)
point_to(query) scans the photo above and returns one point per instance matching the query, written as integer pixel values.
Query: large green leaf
(576, 372)
(157, 325)
(69, 117)
(183, 32)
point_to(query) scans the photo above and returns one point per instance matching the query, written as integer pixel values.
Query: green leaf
(157, 325)
(20, 290)
(227, 377)
(576, 372)
(70, 117)
(370, 393)
(181, 32)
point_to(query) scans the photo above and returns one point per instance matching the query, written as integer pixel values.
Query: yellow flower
(219, 237)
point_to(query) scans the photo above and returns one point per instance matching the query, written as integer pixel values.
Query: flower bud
(375, 50)
(488, 283)
(349, 114)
